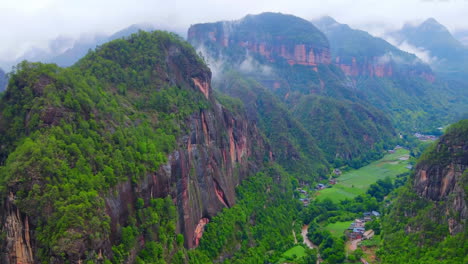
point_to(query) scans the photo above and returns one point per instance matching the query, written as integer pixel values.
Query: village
(423, 137)
(357, 230)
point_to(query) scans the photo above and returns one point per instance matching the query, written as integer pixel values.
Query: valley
(355, 182)
(270, 138)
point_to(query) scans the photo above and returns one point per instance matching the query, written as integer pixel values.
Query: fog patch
(250, 65)
(420, 52)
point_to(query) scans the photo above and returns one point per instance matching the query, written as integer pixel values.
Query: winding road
(309, 243)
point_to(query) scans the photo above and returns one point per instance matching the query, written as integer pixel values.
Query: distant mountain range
(65, 52)
(448, 55)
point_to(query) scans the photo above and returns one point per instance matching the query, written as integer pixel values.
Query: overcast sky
(33, 23)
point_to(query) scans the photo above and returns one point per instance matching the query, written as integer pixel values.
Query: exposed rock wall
(17, 235)
(216, 151)
(441, 178)
(219, 151)
(375, 67)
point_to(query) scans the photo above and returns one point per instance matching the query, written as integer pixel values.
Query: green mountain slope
(393, 80)
(107, 159)
(291, 144)
(428, 221)
(345, 131)
(449, 56)
(290, 57)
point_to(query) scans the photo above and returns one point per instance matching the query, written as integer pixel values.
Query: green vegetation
(356, 182)
(294, 148)
(430, 227)
(69, 135)
(295, 252)
(258, 228)
(411, 102)
(343, 129)
(346, 128)
(337, 229)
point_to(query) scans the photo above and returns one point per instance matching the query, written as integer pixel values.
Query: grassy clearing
(355, 182)
(293, 253)
(337, 229)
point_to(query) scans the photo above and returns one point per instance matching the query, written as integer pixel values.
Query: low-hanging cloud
(33, 23)
(420, 52)
(250, 65)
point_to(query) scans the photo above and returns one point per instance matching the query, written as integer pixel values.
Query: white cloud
(250, 65)
(33, 23)
(420, 52)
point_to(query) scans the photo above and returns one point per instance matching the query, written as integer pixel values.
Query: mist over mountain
(66, 51)
(447, 55)
(262, 137)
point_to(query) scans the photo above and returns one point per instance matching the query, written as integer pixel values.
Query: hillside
(290, 58)
(345, 131)
(427, 222)
(358, 53)
(397, 82)
(111, 158)
(448, 55)
(292, 146)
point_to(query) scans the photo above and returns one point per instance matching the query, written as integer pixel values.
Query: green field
(355, 182)
(292, 254)
(337, 229)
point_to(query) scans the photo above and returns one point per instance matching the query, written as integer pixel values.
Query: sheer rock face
(215, 153)
(442, 181)
(258, 34)
(201, 175)
(17, 235)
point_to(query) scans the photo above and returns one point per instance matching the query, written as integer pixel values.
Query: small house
(375, 213)
(359, 230)
(368, 234)
(358, 223)
(337, 172)
(332, 181)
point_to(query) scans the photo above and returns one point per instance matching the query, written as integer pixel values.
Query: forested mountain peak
(431, 210)
(128, 144)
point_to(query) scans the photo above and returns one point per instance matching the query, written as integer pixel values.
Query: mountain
(81, 47)
(462, 36)
(427, 223)
(3, 80)
(113, 157)
(292, 146)
(290, 57)
(358, 53)
(67, 51)
(395, 81)
(449, 56)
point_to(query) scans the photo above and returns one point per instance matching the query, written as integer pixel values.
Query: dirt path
(305, 238)
(295, 239)
(353, 244)
(309, 243)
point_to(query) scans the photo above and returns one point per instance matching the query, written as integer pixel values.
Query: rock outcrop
(17, 235)
(357, 53)
(267, 36)
(220, 150)
(442, 177)
(214, 151)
